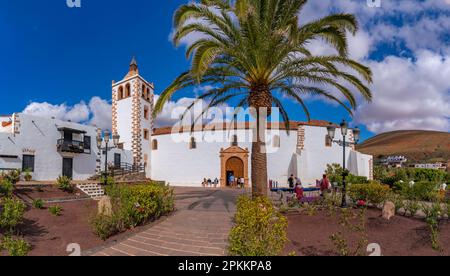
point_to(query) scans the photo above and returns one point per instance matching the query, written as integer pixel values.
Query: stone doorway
(234, 161)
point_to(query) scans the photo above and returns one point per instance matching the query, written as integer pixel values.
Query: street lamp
(106, 138)
(344, 131)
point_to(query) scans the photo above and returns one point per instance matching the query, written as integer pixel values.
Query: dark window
(234, 142)
(193, 143)
(155, 145)
(87, 143)
(117, 160)
(68, 136)
(28, 163)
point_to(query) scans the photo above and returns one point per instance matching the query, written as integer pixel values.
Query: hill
(417, 145)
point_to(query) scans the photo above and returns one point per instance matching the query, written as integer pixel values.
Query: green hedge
(394, 175)
(133, 205)
(260, 229)
(372, 193)
(335, 171)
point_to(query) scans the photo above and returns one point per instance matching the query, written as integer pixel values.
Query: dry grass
(416, 145)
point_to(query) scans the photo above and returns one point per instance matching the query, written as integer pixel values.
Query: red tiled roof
(230, 126)
(5, 124)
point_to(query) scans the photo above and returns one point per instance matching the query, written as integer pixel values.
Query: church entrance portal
(234, 166)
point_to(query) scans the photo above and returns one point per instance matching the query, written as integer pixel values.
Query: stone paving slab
(199, 227)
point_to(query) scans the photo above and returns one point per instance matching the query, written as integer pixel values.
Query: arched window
(120, 93)
(127, 90)
(234, 141)
(146, 134)
(276, 141)
(155, 144)
(193, 143)
(148, 94)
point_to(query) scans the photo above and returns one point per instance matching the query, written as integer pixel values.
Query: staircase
(125, 173)
(93, 190)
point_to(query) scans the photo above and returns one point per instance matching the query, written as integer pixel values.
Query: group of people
(236, 181)
(296, 184)
(210, 183)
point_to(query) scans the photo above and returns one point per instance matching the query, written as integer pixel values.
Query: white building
(181, 158)
(50, 148)
(433, 166)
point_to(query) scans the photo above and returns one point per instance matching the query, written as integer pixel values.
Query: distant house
(394, 161)
(433, 166)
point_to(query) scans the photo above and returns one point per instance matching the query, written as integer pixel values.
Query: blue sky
(56, 60)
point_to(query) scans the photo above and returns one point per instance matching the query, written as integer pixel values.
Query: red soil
(401, 236)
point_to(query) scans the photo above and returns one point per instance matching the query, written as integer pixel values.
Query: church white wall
(175, 163)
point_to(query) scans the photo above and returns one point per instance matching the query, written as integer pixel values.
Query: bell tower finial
(133, 64)
(134, 70)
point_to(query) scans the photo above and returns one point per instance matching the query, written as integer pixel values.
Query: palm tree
(255, 52)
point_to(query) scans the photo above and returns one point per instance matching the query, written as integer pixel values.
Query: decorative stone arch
(230, 154)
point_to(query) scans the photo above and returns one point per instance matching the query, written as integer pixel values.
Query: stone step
(94, 191)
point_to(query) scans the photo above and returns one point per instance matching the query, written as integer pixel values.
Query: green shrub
(13, 176)
(335, 171)
(106, 226)
(373, 193)
(15, 247)
(433, 213)
(38, 204)
(109, 180)
(259, 231)
(412, 207)
(133, 206)
(64, 184)
(424, 191)
(11, 213)
(398, 200)
(55, 210)
(353, 179)
(6, 188)
(393, 175)
(27, 175)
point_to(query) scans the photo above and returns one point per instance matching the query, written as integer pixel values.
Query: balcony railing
(71, 146)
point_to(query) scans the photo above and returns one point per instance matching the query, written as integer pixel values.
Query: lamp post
(344, 131)
(106, 138)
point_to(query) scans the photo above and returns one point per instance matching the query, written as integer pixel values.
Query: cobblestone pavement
(199, 227)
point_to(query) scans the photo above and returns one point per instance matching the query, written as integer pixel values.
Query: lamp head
(344, 128)
(331, 131)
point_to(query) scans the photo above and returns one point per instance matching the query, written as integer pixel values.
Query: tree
(256, 52)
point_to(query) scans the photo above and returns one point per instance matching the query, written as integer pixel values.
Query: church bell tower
(132, 106)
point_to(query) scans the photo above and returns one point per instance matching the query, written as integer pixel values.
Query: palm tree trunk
(261, 100)
(259, 159)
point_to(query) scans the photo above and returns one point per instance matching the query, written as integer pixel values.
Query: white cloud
(101, 113)
(76, 113)
(98, 112)
(409, 94)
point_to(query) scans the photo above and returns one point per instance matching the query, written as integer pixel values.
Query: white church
(48, 147)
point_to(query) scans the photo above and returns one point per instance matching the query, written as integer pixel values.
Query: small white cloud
(101, 113)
